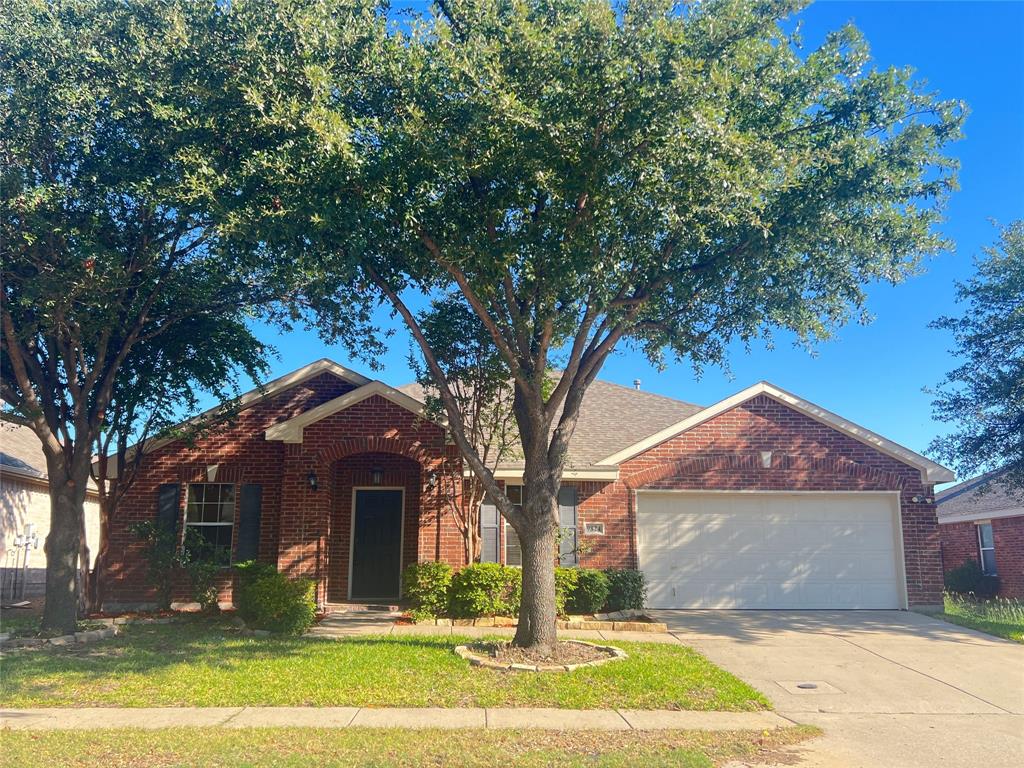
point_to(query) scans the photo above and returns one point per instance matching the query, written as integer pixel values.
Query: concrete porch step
(363, 608)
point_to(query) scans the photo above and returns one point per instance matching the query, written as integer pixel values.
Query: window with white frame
(987, 549)
(210, 513)
(513, 552)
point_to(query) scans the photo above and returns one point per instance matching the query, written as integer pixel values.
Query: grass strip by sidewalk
(359, 747)
(205, 664)
(1002, 617)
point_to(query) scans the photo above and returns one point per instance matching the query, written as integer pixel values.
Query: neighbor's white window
(211, 513)
(987, 548)
(513, 552)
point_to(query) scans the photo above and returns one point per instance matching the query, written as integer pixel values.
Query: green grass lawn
(1001, 617)
(24, 624)
(205, 663)
(363, 747)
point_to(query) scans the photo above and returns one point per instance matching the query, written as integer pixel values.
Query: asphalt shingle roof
(612, 417)
(20, 451)
(979, 495)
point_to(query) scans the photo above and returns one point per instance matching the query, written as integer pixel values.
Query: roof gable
(930, 471)
(291, 431)
(265, 392)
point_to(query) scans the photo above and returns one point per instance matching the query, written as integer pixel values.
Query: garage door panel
(769, 551)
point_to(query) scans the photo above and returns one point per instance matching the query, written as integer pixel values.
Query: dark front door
(376, 544)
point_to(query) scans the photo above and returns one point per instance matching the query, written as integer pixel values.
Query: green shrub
(251, 570)
(160, 550)
(269, 600)
(565, 585)
(485, 589)
(591, 592)
(626, 590)
(969, 579)
(199, 560)
(426, 586)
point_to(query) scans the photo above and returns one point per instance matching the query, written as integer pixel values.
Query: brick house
(760, 501)
(982, 519)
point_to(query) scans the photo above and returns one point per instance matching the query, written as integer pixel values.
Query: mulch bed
(564, 653)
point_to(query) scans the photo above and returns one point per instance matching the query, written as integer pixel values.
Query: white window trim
(230, 524)
(982, 548)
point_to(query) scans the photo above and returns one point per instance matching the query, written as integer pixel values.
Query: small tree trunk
(62, 547)
(84, 577)
(536, 629)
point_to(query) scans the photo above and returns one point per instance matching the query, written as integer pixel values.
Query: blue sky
(871, 374)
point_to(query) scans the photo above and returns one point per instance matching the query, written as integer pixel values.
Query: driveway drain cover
(807, 687)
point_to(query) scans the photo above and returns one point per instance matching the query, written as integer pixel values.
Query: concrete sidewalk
(355, 717)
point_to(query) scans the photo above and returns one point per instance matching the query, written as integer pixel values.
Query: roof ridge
(648, 393)
(968, 485)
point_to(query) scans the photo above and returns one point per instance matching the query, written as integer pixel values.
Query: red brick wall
(724, 454)
(960, 544)
(242, 456)
(301, 529)
(306, 532)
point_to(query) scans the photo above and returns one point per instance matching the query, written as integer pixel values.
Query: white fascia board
(291, 431)
(992, 514)
(598, 474)
(931, 472)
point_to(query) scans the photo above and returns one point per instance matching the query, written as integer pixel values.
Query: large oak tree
(666, 176)
(138, 162)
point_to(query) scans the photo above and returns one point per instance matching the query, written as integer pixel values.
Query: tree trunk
(67, 499)
(536, 629)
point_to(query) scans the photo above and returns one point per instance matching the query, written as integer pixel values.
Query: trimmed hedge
(566, 580)
(269, 600)
(591, 592)
(485, 589)
(627, 590)
(426, 586)
(491, 589)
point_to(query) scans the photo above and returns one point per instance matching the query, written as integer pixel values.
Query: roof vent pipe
(636, 383)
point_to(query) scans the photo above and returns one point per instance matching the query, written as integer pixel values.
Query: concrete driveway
(893, 689)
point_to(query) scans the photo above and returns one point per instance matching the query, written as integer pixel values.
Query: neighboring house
(983, 520)
(763, 500)
(25, 502)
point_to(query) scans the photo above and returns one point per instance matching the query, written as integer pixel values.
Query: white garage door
(772, 550)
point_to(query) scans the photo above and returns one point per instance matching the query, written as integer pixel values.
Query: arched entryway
(374, 531)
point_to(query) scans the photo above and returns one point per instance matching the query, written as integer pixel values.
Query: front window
(210, 519)
(987, 549)
(513, 552)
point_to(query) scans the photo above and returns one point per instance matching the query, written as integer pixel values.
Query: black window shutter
(168, 508)
(489, 520)
(249, 511)
(567, 554)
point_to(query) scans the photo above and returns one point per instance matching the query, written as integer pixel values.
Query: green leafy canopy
(984, 396)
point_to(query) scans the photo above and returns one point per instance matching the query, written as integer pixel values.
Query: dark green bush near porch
(969, 579)
(485, 589)
(590, 594)
(267, 599)
(565, 586)
(491, 589)
(626, 590)
(427, 586)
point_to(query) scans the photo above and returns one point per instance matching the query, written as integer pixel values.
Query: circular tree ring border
(477, 660)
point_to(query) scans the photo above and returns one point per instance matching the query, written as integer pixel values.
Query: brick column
(304, 518)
